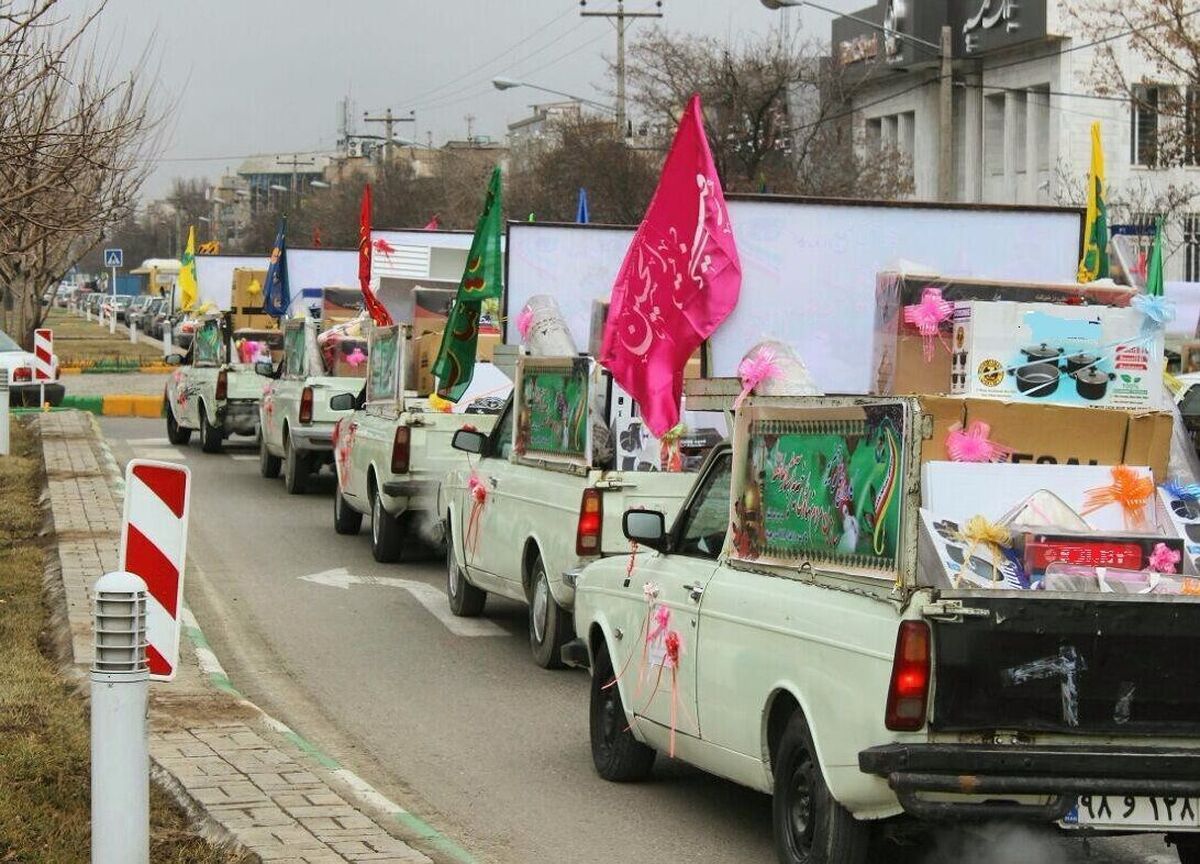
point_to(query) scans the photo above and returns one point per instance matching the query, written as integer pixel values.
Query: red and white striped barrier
(43, 354)
(153, 546)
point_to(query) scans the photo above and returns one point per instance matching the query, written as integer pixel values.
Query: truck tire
(295, 469)
(1187, 847)
(549, 625)
(466, 601)
(268, 465)
(617, 755)
(210, 435)
(176, 434)
(810, 827)
(386, 535)
(346, 520)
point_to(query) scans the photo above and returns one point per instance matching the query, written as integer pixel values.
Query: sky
(268, 76)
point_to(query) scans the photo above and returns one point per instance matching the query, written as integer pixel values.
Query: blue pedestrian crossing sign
(114, 258)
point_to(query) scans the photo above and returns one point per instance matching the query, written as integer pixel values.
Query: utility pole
(470, 118)
(389, 121)
(620, 15)
(946, 121)
(295, 164)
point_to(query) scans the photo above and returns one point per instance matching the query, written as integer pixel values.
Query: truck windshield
(707, 517)
(7, 344)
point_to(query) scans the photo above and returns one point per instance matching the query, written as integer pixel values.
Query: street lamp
(318, 184)
(502, 83)
(791, 4)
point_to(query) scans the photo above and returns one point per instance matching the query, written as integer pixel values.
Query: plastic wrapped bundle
(772, 368)
(543, 329)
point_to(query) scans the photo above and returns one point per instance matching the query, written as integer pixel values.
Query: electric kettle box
(1047, 353)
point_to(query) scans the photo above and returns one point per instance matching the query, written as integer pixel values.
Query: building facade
(1023, 101)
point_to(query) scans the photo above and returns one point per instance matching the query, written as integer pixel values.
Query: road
(463, 730)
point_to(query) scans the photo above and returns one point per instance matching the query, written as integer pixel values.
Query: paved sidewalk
(249, 777)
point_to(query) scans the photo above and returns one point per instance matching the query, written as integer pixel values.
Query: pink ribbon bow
(754, 370)
(928, 316)
(1163, 559)
(972, 444)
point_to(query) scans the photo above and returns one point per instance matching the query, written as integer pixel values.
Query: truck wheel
(549, 624)
(268, 465)
(810, 826)
(295, 469)
(176, 434)
(466, 601)
(1187, 847)
(346, 520)
(385, 532)
(617, 755)
(210, 435)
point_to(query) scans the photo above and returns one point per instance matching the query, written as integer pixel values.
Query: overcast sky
(255, 76)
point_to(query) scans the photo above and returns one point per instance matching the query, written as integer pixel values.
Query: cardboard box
(1055, 434)
(1050, 353)
(431, 308)
(426, 352)
(242, 300)
(899, 357)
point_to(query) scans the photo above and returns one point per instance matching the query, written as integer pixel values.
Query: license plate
(1133, 811)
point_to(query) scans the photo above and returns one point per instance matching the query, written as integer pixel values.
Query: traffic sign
(154, 547)
(43, 354)
(114, 258)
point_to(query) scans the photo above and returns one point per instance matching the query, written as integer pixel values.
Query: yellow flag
(187, 272)
(1094, 264)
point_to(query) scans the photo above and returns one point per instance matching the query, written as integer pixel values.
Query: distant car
(22, 388)
(118, 305)
(143, 317)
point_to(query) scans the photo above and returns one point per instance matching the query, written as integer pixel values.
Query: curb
(117, 405)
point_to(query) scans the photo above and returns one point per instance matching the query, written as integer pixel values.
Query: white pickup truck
(764, 639)
(296, 421)
(532, 510)
(210, 391)
(392, 452)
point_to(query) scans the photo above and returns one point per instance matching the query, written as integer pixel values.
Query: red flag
(317, 237)
(433, 224)
(680, 279)
(374, 308)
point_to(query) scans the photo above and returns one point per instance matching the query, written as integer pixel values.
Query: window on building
(1191, 247)
(874, 133)
(1191, 120)
(993, 132)
(1020, 123)
(889, 131)
(1144, 124)
(1039, 122)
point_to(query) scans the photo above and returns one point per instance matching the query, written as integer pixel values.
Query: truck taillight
(306, 405)
(22, 373)
(591, 519)
(400, 450)
(222, 385)
(908, 693)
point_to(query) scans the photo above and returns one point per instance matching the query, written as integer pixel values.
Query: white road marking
(167, 454)
(138, 442)
(205, 658)
(433, 599)
(243, 457)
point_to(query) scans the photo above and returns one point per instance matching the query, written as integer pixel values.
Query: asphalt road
(463, 730)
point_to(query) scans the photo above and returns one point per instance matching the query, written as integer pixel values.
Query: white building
(1021, 112)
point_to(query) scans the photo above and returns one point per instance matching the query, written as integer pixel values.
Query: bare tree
(775, 113)
(76, 142)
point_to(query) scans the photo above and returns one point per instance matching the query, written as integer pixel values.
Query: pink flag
(433, 224)
(679, 281)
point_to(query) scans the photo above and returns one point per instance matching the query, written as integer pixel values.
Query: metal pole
(621, 70)
(3, 412)
(112, 313)
(946, 122)
(120, 747)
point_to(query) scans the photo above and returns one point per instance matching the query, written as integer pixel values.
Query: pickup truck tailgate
(1104, 664)
(631, 490)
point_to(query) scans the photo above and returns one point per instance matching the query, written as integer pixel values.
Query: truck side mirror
(469, 441)
(342, 402)
(646, 528)
(174, 359)
(264, 367)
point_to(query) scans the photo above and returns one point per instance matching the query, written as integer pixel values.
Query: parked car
(392, 452)
(136, 305)
(116, 305)
(547, 508)
(212, 391)
(23, 389)
(296, 420)
(144, 316)
(750, 639)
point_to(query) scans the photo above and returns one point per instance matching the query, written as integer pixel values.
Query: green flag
(1154, 270)
(482, 280)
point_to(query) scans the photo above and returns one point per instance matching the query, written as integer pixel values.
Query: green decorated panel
(207, 350)
(553, 414)
(823, 490)
(383, 379)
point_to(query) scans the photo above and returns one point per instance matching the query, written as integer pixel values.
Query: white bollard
(120, 747)
(133, 332)
(112, 320)
(87, 311)
(168, 349)
(4, 412)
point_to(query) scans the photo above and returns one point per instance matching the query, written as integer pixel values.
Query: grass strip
(45, 781)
